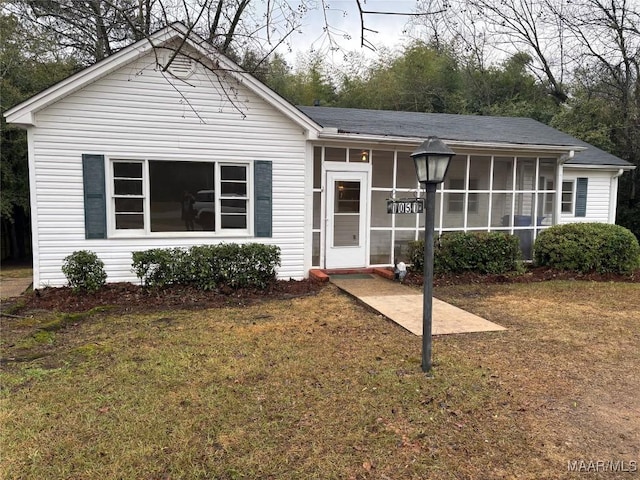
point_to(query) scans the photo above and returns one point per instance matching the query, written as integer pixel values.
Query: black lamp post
(432, 162)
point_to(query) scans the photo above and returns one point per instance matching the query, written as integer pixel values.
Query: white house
(116, 150)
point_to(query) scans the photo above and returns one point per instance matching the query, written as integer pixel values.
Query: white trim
(33, 201)
(328, 134)
(613, 196)
(599, 167)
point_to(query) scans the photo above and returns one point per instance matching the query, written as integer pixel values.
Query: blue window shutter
(263, 192)
(581, 197)
(95, 204)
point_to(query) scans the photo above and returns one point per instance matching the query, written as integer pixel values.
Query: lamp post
(432, 162)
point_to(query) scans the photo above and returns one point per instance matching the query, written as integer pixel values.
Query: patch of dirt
(127, 297)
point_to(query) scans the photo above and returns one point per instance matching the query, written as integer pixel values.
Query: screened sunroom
(509, 193)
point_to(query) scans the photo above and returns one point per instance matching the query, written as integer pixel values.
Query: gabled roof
(24, 113)
(472, 129)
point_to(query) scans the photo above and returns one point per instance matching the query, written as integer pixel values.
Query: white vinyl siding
(135, 113)
(598, 194)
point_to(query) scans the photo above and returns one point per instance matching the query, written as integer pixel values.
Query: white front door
(346, 232)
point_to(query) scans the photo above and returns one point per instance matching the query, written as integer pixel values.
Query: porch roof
(464, 128)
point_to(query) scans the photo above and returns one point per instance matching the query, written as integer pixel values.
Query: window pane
(523, 209)
(181, 196)
(346, 230)
(457, 173)
(359, 155)
(233, 206)
(316, 209)
(421, 217)
(547, 174)
(407, 220)
(233, 221)
(127, 187)
(129, 222)
(453, 210)
(317, 167)
(479, 173)
(379, 215)
(406, 171)
(525, 173)
(380, 247)
(315, 249)
(478, 210)
(567, 197)
(129, 205)
(347, 197)
(382, 169)
(233, 189)
(401, 246)
(335, 154)
(501, 210)
(127, 169)
(503, 173)
(229, 172)
(526, 243)
(546, 208)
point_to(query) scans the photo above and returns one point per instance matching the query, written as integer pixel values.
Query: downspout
(559, 174)
(613, 195)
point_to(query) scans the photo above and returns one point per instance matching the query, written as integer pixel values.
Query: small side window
(567, 197)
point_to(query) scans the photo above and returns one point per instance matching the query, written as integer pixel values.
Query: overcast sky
(344, 19)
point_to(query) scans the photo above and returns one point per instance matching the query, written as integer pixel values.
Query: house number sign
(405, 205)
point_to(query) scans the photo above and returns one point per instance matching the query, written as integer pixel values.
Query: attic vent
(181, 66)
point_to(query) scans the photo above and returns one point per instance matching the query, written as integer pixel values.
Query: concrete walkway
(13, 286)
(403, 305)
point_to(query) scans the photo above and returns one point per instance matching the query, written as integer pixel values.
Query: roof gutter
(622, 168)
(392, 140)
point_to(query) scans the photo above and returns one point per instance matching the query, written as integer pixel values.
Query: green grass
(317, 387)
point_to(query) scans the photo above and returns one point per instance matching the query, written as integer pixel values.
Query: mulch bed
(126, 297)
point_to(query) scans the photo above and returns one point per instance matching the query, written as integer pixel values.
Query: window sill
(187, 235)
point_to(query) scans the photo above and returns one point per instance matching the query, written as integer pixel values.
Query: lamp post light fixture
(432, 162)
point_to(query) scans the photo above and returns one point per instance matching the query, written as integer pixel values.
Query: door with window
(346, 237)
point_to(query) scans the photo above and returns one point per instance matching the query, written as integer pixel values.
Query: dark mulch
(126, 297)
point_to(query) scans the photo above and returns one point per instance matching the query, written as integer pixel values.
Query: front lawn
(320, 387)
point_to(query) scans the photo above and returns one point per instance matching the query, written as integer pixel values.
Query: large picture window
(170, 196)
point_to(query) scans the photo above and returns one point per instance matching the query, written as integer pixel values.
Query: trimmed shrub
(84, 271)
(209, 266)
(588, 247)
(482, 252)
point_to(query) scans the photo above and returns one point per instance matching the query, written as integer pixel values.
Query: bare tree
(608, 32)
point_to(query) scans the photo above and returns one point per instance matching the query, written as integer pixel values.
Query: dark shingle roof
(469, 128)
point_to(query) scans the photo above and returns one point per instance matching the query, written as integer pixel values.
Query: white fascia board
(330, 134)
(24, 113)
(599, 167)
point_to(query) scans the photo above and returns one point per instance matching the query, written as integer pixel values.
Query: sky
(344, 19)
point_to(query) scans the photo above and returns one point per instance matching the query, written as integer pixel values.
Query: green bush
(482, 252)
(588, 247)
(84, 271)
(209, 266)
(159, 267)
